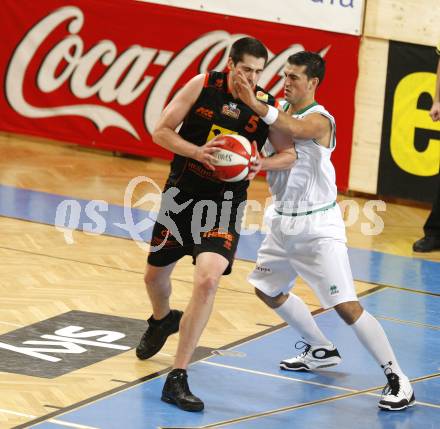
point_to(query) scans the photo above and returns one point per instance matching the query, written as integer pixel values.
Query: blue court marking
(368, 266)
(401, 304)
(359, 412)
(417, 348)
(41, 207)
(231, 390)
(226, 395)
(429, 391)
(386, 269)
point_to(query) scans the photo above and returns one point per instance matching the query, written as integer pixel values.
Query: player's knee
(349, 311)
(270, 301)
(156, 282)
(149, 280)
(206, 284)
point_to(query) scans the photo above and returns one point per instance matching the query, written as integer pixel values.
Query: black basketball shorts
(189, 225)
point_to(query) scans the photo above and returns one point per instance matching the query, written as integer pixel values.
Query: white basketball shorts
(312, 246)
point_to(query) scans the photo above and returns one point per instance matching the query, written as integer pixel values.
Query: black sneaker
(427, 244)
(176, 391)
(157, 333)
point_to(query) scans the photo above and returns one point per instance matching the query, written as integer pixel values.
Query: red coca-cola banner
(100, 72)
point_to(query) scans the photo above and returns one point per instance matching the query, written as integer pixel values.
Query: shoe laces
(181, 379)
(303, 345)
(393, 385)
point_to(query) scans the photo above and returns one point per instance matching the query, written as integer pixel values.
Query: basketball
(232, 161)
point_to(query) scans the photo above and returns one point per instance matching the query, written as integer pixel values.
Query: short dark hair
(250, 46)
(315, 65)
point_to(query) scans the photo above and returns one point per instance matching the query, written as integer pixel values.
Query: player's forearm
(279, 161)
(283, 122)
(171, 141)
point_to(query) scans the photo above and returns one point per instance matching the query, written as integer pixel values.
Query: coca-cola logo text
(125, 78)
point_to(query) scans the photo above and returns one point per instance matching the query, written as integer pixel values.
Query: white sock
(295, 312)
(375, 340)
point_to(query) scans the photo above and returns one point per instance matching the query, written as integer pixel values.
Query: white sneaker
(398, 394)
(313, 357)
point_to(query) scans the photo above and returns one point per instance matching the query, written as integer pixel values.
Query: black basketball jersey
(216, 112)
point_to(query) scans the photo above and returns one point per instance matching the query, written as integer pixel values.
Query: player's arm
(283, 159)
(164, 133)
(285, 155)
(435, 109)
(314, 126)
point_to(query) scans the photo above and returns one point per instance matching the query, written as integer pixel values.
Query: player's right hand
(203, 154)
(256, 163)
(244, 90)
(435, 111)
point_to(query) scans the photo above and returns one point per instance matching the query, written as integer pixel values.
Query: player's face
(297, 86)
(250, 66)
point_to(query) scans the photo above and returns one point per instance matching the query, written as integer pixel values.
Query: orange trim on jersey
(205, 83)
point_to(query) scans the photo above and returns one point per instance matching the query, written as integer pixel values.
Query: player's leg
(164, 321)
(158, 286)
(164, 254)
(370, 333)
(273, 279)
(209, 269)
(398, 394)
(334, 285)
(318, 351)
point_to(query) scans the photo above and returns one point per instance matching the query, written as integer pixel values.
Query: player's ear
(315, 82)
(230, 64)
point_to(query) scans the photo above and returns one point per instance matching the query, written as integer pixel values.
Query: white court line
(15, 413)
(70, 425)
(12, 324)
(407, 322)
(56, 421)
(267, 374)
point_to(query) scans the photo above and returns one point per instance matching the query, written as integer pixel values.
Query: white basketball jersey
(311, 183)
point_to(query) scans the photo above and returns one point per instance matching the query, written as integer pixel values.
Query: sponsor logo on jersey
(216, 130)
(204, 113)
(262, 96)
(231, 110)
(200, 170)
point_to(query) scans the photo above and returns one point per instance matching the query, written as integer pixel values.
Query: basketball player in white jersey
(307, 233)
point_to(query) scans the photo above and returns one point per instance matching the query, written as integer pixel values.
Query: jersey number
(252, 125)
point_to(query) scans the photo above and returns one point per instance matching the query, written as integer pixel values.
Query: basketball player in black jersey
(207, 105)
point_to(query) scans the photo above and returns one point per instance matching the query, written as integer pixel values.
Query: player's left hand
(256, 163)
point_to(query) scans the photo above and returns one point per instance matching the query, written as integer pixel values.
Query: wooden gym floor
(42, 276)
